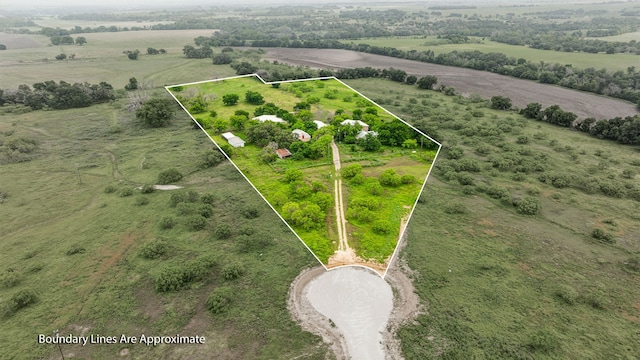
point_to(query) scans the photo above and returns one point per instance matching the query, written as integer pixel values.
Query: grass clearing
(499, 284)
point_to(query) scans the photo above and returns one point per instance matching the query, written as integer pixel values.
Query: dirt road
(345, 254)
(466, 81)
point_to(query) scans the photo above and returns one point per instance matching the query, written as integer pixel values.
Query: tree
(254, 98)
(230, 99)
(133, 55)
(500, 103)
(370, 143)
(132, 85)
(152, 51)
(61, 56)
(3, 47)
(156, 112)
(532, 111)
(169, 176)
(81, 40)
(411, 79)
(221, 59)
(427, 82)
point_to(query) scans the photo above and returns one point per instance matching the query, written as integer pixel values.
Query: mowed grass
(78, 248)
(102, 59)
(580, 60)
(499, 284)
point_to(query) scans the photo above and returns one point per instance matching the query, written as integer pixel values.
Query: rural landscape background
(525, 243)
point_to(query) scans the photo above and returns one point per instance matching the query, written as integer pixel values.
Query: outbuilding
(272, 118)
(301, 135)
(233, 140)
(365, 126)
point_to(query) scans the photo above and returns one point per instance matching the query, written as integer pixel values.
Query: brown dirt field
(466, 81)
(18, 41)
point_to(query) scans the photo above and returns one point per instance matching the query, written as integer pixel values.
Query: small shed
(283, 153)
(233, 140)
(301, 135)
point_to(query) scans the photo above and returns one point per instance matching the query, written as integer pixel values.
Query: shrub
(147, 189)
(210, 158)
(358, 179)
(9, 279)
(374, 188)
(603, 236)
(389, 178)
(167, 222)
(250, 212)
(20, 300)
(351, 170)
(126, 192)
(232, 272)
(174, 277)
(169, 176)
(408, 179)
(205, 210)
(220, 300)
(528, 206)
(567, 294)
(246, 230)
(110, 189)
(223, 231)
(153, 249)
(381, 227)
(76, 249)
(455, 208)
(465, 179)
(497, 193)
(141, 200)
(177, 198)
(196, 222)
(208, 198)
(185, 208)
(523, 139)
(633, 263)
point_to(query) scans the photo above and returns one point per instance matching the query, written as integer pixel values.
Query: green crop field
(577, 59)
(502, 284)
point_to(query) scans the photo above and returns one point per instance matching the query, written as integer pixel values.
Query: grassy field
(102, 59)
(75, 239)
(501, 284)
(579, 60)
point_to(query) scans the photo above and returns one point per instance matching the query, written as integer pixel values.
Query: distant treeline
(620, 84)
(62, 95)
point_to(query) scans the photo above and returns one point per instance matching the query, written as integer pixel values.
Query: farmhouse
(233, 140)
(365, 126)
(319, 124)
(301, 135)
(272, 118)
(283, 153)
(363, 134)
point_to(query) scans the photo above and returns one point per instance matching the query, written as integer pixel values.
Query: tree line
(62, 95)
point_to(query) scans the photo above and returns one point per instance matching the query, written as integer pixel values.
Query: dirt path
(466, 81)
(344, 254)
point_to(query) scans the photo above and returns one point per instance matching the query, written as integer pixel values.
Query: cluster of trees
(202, 52)
(154, 51)
(62, 95)
(306, 205)
(67, 40)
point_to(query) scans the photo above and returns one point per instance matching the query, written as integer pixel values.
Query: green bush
(455, 208)
(210, 158)
(374, 188)
(20, 300)
(220, 300)
(147, 189)
(465, 179)
(223, 231)
(528, 206)
(566, 294)
(173, 277)
(358, 179)
(381, 227)
(185, 208)
(10, 279)
(196, 222)
(169, 176)
(603, 236)
(390, 178)
(167, 222)
(250, 212)
(110, 189)
(153, 249)
(126, 192)
(351, 170)
(76, 249)
(232, 272)
(209, 198)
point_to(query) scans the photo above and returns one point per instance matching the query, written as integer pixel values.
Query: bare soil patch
(466, 81)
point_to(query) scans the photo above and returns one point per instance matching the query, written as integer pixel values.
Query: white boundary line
(267, 201)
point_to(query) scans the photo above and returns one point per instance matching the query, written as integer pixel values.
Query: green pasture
(500, 284)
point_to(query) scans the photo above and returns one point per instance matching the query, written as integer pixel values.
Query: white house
(319, 124)
(233, 140)
(272, 118)
(363, 134)
(301, 135)
(365, 126)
